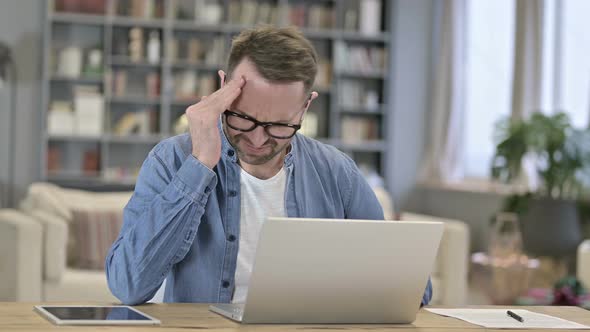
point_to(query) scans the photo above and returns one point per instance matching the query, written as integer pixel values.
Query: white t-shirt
(259, 199)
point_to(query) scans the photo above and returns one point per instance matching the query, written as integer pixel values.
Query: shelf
(188, 25)
(361, 110)
(185, 103)
(75, 18)
(235, 28)
(183, 64)
(363, 146)
(134, 100)
(77, 80)
(321, 33)
(127, 21)
(71, 176)
(91, 183)
(74, 138)
(360, 37)
(126, 61)
(365, 75)
(134, 139)
(322, 90)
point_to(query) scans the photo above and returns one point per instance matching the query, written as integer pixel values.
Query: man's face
(265, 102)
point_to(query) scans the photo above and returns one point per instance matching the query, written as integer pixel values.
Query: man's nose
(258, 136)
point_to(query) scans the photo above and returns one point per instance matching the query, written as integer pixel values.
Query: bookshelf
(119, 74)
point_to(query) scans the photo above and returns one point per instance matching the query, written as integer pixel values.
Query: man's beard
(274, 146)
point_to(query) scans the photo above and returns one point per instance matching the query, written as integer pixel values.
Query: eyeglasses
(245, 123)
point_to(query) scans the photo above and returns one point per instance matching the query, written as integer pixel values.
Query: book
(60, 119)
(89, 110)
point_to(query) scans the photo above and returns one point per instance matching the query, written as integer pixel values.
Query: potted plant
(560, 156)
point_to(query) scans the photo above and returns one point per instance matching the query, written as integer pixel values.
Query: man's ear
(222, 77)
(313, 95)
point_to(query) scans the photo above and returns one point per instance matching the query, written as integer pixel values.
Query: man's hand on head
(203, 116)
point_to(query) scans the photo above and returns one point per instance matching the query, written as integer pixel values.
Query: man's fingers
(234, 89)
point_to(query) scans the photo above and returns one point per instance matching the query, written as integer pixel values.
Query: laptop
(312, 271)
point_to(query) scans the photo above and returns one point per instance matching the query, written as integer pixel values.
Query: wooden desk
(196, 317)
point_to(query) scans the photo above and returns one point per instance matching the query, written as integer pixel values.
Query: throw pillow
(94, 231)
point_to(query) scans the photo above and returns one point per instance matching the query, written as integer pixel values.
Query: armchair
(583, 264)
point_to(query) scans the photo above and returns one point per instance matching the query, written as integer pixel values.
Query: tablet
(95, 315)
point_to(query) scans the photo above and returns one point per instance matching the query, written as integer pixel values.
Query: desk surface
(186, 317)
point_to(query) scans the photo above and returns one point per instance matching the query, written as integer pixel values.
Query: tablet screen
(95, 313)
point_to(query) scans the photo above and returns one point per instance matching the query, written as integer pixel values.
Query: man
(201, 198)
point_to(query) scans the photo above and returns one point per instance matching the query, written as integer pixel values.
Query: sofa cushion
(94, 232)
(61, 202)
(79, 286)
(55, 236)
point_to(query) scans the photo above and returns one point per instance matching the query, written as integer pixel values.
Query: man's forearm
(157, 233)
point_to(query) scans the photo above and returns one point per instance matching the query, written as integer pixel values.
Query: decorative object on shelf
(53, 159)
(172, 49)
(207, 12)
(215, 54)
(194, 51)
(185, 84)
(8, 70)
(350, 19)
(360, 59)
(357, 129)
(153, 48)
(136, 44)
(81, 6)
(120, 83)
(370, 17)
(70, 62)
(93, 66)
(91, 162)
(89, 111)
(310, 125)
(181, 125)
(139, 122)
(142, 9)
(560, 155)
(324, 75)
(206, 85)
(372, 101)
(153, 85)
(60, 119)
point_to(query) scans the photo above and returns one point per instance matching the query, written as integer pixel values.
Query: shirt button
(231, 238)
(233, 193)
(225, 284)
(207, 189)
(230, 153)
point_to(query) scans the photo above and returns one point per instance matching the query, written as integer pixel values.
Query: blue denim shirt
(183, 220)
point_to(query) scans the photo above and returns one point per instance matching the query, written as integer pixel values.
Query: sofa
(35, 242)
(583, 263)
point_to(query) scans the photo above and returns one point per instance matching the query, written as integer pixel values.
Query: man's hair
(279, 54)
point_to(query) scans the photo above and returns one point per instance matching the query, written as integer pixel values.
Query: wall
(413, 53)
(21, 25)
(475, 208)
(409, 94)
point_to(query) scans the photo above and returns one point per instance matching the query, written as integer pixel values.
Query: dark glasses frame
(256, 123)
